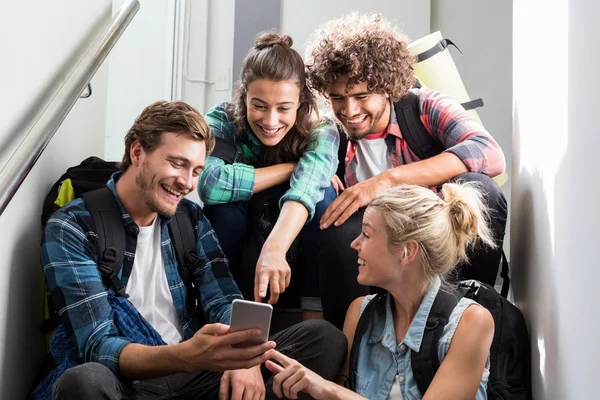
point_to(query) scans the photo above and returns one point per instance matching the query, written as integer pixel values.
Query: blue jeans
(230, 224)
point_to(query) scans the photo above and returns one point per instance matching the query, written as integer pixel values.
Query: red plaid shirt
(446, 120)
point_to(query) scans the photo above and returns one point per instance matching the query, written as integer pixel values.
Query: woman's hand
(271, 269)
(292, 377)
(337, 184)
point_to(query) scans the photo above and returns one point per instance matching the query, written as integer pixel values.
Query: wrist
(389, 178)
(179, 355)
(332, 391)
(274, 246)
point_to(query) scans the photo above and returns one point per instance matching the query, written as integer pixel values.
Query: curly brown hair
(162, 117)
(364, 47)
(273, 58)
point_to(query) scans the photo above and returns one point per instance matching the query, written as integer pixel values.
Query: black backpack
(510, 354)
(88, 180)
(91, 174)
(263, 211)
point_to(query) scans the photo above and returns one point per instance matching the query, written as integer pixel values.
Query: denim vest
(380, 359)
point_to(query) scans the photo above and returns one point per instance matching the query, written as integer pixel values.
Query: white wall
(209, 53)
(36, 56)
(483, 32)
(32, 59)
(140, 69)
(554, 187)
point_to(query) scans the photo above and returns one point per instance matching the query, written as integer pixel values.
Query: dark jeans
(316, 344)
(338, 262)
(230, 223)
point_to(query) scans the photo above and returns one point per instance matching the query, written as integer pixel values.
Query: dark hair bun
(270, 38)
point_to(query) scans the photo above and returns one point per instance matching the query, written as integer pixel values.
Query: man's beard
(374, 120)
(146, 184)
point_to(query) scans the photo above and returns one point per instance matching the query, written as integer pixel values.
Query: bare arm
(291, 219)
(272, 268)
(209, 349)
(271, 176)
(350, 323)
(430, 172)
(460, 373)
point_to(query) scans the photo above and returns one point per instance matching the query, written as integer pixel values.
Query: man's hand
(353, 198)
(271, 269)
(245, 384)
(210, 349)
(291, 377)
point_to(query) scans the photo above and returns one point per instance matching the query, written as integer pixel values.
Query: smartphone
(251, 315)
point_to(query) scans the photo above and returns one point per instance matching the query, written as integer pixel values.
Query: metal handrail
(24, 158)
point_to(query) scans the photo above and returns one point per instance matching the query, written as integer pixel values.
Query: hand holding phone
(251, 315)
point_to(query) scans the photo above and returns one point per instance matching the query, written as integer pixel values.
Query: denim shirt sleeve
(220, 183)
(312, 175)
(212, 277)
(77, 289)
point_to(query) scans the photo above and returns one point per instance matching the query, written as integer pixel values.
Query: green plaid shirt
(221, 183)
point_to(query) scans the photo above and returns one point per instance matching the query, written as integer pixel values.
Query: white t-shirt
(372, 158)
(148, 288)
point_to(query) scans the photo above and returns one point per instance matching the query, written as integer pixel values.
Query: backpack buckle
(108, 258)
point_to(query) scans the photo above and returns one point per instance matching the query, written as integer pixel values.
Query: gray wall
(300, 18)
(483, 32)
(251, 18)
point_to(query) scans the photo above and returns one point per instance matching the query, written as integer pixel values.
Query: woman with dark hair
(286, 153)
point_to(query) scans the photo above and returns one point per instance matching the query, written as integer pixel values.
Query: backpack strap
(226, 151)
(184, 242)
(437, 48)
(418, 138)
(425, 363)
(105, 213)
(342, 150)
(361, 329)
(472, 104)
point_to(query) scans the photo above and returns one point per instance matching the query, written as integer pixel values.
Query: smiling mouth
(356, 121)
(361, 262)
(176, 195)
(270, 132)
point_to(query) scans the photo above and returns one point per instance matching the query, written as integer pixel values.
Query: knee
(493, 195)
(226, 215)
(344, 234)
(328, 197)
(86, 381)
(327, 338)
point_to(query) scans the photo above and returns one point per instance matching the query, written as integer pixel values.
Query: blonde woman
(411, 240)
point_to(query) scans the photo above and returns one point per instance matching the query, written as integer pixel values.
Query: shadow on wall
(25, 293)
(534, 283)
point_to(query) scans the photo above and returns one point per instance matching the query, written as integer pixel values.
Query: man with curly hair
(364, 68)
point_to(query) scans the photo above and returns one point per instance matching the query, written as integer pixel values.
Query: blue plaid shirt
(95, 324)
